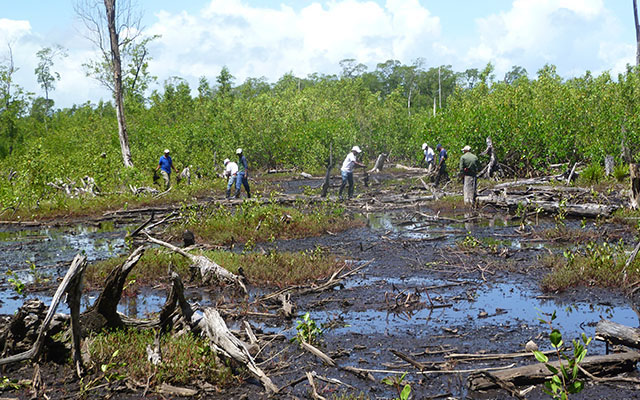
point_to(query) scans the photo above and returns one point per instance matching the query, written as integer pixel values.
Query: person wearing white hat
(429, 156)
(242, 177)
(165, 165)
(469, 167)
(346, 171)
(230, 172)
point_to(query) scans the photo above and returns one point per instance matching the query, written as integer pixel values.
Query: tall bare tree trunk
(110, 6)
(635, 17)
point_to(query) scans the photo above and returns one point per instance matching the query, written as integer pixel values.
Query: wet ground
(421, 293)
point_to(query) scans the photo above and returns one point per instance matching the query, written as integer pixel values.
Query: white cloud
(255, 42)
(10, 30)
(566, 33)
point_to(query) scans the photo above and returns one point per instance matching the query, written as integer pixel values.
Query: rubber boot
(228, 193)
(237, 195)
(248, 194)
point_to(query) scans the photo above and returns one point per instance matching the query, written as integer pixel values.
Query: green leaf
(552, 369)
(406, 391)
(555, 337)
(540, 356)
(387, 381)
(575, 387)
(556, 380)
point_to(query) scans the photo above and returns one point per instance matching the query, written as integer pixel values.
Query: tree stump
(608, 165)
(634, 171)
(469, 190)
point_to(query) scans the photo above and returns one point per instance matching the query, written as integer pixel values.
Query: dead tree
(104, 313)
(637, 25)
(489, 169)
(117, 27)
(608, 165)
(379, 163)
(327, 176)
(70, 281)
(634, 171)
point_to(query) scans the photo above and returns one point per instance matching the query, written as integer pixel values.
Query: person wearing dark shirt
(242, 178)
(469, 167)
(442, 174)
(165, 165)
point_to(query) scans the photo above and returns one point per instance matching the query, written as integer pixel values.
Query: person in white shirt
(230, 172)
(429, 155)
(347, 170)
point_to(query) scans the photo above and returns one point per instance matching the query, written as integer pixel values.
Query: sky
(264, 38)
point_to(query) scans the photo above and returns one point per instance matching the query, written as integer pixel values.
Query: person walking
(165, 165)
(231, 173)
(442, 174)
(469, 167)
(429, 155)
(242, 177)
(346, 171)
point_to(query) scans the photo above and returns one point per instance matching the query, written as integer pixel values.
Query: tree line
(534, 121)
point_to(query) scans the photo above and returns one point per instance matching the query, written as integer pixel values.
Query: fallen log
(413, 169)
(615, 333)
(223, 342)
(588, 210)
(609, 364)
(208, 268)
(531, 181)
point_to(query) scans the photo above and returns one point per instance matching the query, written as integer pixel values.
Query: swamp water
(476, 304)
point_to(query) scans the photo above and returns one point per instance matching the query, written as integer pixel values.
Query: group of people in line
(238, 173)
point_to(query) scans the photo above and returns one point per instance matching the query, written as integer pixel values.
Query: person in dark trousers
(242, 178)
(165, 165)
(347, 170)
(442, 175)
(469, 166)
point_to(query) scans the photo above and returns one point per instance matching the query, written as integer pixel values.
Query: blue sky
(263, 38)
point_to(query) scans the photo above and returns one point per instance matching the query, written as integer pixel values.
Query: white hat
(466, 148)
(226, 160)
(424, 146)
(166, 151)
(239, 151)
(356, 149)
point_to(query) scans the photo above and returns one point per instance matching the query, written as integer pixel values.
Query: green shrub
(592, 174)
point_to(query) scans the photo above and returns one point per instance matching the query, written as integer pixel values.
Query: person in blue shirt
(165, 165)
(442, 166)
(242, 178)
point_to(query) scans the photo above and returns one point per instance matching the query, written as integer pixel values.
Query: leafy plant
(564, 380)
(9, 384)
(110, 369)
(37, 276)
(16, 284)
(397, 382)
(621, 172)
(593, 173)
(307, 330)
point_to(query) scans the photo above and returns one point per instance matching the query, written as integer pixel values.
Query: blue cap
(439, 146)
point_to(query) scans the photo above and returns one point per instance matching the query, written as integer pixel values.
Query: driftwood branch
(208, 268)
(223, 342)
